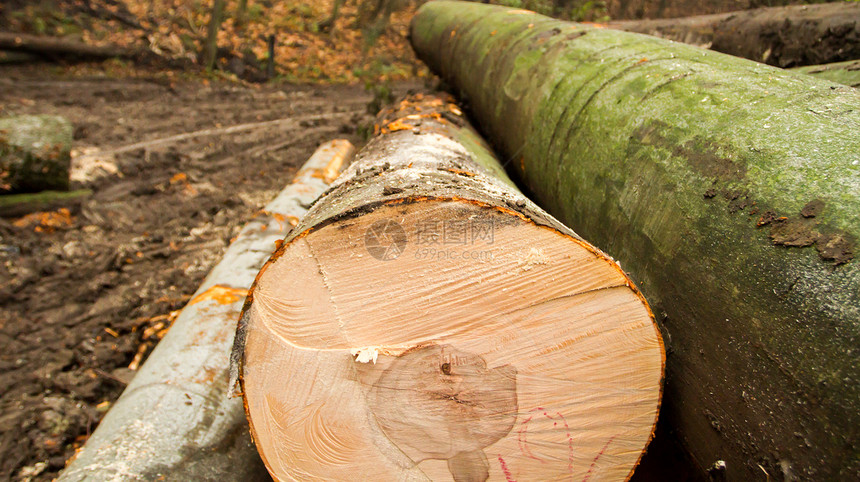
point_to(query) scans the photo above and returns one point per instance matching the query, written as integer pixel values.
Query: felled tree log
(846, 73)
(15, 205)
(7, 57)
(729, 189)
(62, 48)
(426, 320)
(641, 9)
(782, 36)
(34, 153)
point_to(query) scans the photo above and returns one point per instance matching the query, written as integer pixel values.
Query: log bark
(35, 153)
(8, 57)
(782, 36)
(62, 48)
(845, 73)
(426, 320)
(729, 190)
(16, 205)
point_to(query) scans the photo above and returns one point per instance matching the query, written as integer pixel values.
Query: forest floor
(86, 293)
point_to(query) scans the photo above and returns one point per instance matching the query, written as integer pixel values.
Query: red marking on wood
(522, 439)
(522, 436)
(508, 476)
(596, 458)
(569, 444)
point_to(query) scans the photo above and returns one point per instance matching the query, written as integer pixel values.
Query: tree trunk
(729, 189)
(34, 153)
(368, 10)
(329, 22)
(270, 62)
(210, 48)
(846, 73)
(61, 48)
(781, 36)
(242, 11)
(426, 319)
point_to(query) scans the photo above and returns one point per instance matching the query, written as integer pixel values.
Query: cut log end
(452, 340)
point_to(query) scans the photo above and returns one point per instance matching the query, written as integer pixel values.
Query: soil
(85, 290)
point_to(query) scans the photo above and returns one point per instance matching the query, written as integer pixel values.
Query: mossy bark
(34, 153)
(846, 73)
(730, 190)
(13, 205)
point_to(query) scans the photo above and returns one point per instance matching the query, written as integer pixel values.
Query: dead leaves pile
(176, 29)
(46, 222)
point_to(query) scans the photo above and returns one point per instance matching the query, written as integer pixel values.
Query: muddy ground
(85, 295)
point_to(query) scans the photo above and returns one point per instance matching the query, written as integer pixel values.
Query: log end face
(535, 359)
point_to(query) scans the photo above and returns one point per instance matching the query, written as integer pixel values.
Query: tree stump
(34, 153)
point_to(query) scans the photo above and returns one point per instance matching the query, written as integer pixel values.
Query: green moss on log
(14, 205)
(846, 73)
(729, 189)
(34, 153)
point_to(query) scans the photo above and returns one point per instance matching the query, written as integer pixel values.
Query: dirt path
(79, 305)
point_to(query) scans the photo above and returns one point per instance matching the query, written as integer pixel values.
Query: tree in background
(374, 16)
(210, 48)
(328, 23)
